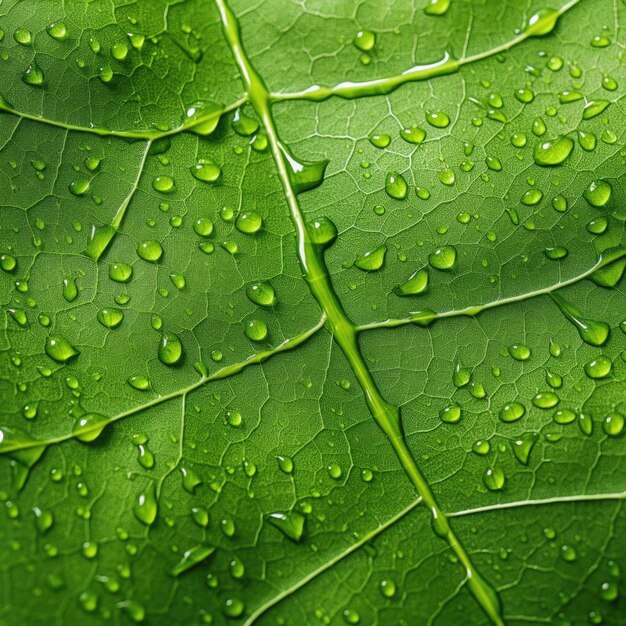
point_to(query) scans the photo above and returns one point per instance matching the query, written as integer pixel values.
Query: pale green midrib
(125, 134)
(600, 497)
(224, 372)
(385, 85)
(472, 311)
(330, 563)
(344, 331)
(590, 497)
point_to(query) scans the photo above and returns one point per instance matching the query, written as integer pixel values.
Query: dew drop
(60, 349)
(438, 119)
(249, 222)
(191, 558)
(110, 318)
(416, 283)
(89, 427)
(261, 294)
(365, 40)
(372, 260)
(145, 508)
(150, 251)
(203, 170)
(170, 349)
(599, 367)
(553, 151)
(512, 411)
(256, 330)
(494, 479)
(598, 193)
(443, 258)
(395, 186)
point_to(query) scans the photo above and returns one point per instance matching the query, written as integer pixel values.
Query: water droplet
(599, 367)
(542, 22)
(395, 186)
(43, 520)
(512, 411)
(553, 152)
(364, 40)
(119, 50)
(556, 253)
(88, 601)
(594, 108)
(285, 464)
(539, 127)
(524, 95)
(79, 187)
(568, 553)
(8, 263)
(234, 418)
(523, 446)
(203, 226)
(191, 558)
(322, 231)
(416, 283)
(446, 177)
(23, 36)
(413, 135)
(60, 349)
(613, 424)
(598, 193)
(438, 119)
(302, 175)
(200, 516)
(57, 30)
(545, 400)
(150, 251)
(203, 170)
(372, 260)
(531, 197)
(379, 141)
(518, 140)
(33, 75)
(249, 222)
(450, 414)
(228, 527)
(110, 318)
(261, 294)
(170, 349)
(350, 616)
(163, 184)
(437, 7)
(291, 524)
(564, 416)
(233, 607)
(586, 140)
(443, 258)
(609, 591)
(494, 479)
(89, 427)
(256, 330)
(592, 332)
(145, 508)
(519, 352)
(244, 125)
(585, 423)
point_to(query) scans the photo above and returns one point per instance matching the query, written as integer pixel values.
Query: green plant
(276, 351)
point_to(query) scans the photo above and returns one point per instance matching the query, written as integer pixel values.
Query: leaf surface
(312, 313)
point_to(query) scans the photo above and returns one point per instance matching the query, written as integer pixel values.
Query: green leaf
(312, 313)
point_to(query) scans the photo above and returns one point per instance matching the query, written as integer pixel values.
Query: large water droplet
(291, 524)
(443, 258)
(395, 186)
(89, 427)
(170, 349)
(191, 558)
(261, 294)
(145, 508)
(416, 283)
(150, 251)
(60, 349)
(553, 152)
(372, 260)
(598, 193)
